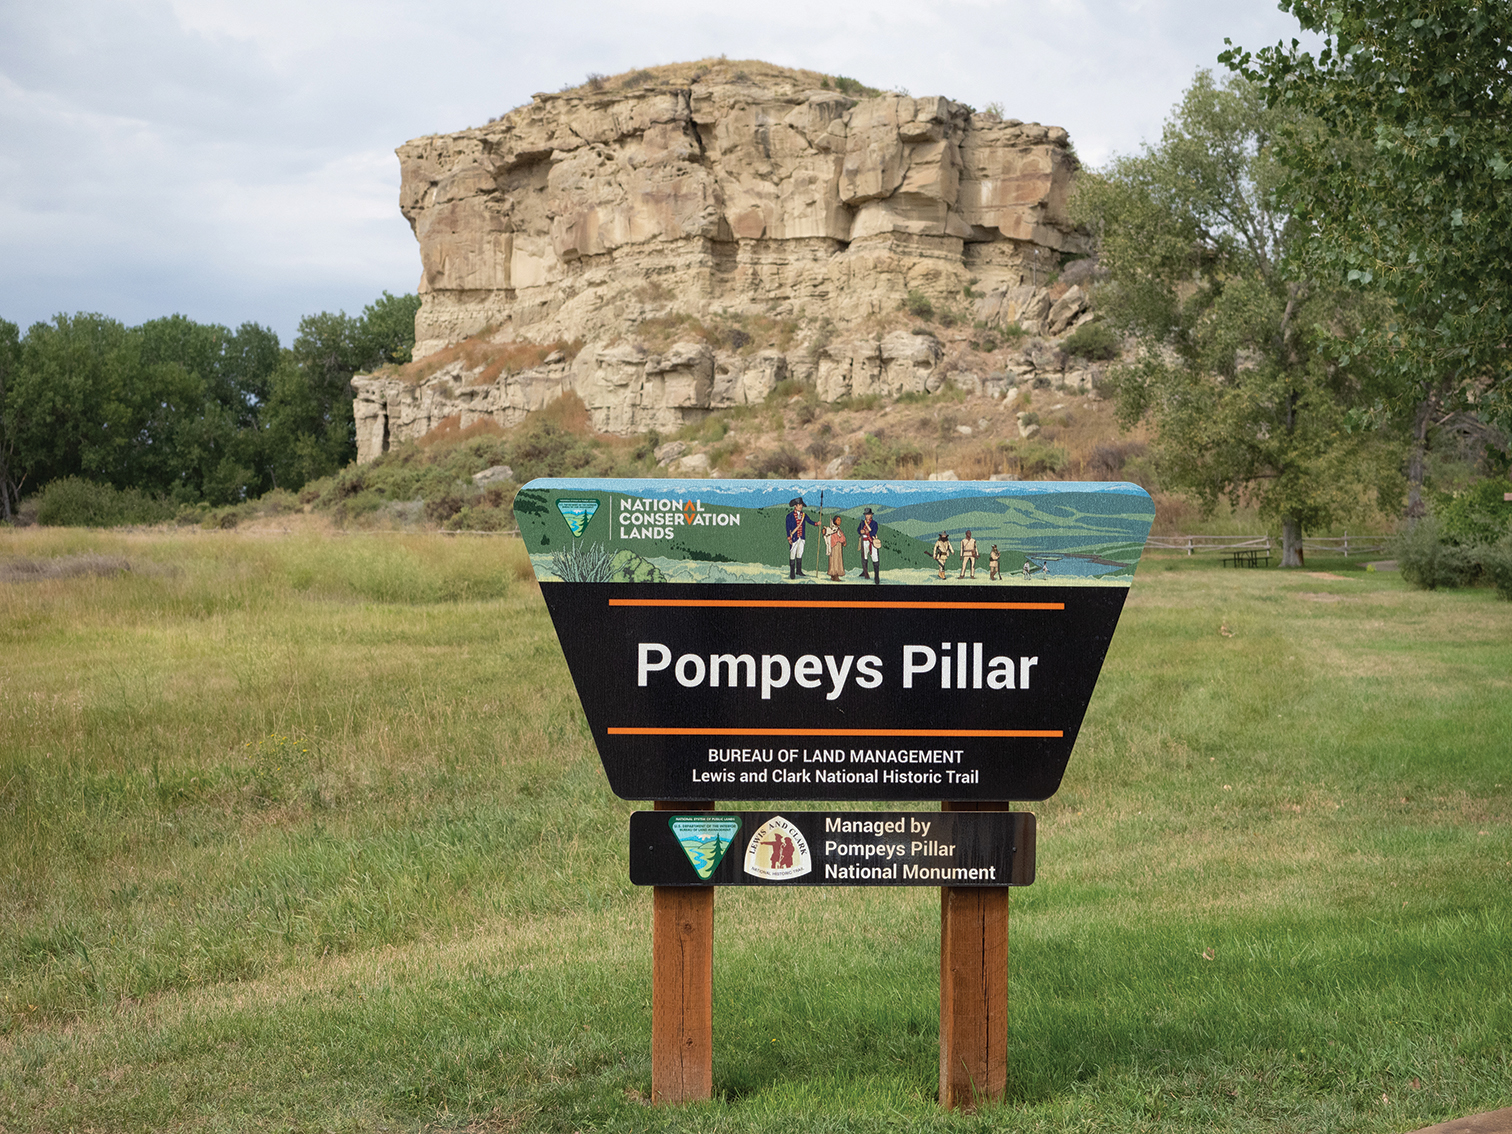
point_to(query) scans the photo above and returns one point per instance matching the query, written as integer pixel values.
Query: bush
(1427, 561)
(73, 502)
(1093, 341)
(807, 410)
(886, 460)
(1037, 458)
(1477, 515)
(1107, 461)
(1495, 562)
(918, 305)
(779, 464)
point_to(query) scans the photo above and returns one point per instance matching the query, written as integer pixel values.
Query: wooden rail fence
(1346, 543)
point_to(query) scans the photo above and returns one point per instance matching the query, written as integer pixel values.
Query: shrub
(1037, 458)
(1093, 341)
(1427, 561)
(1495, 562)
(443, 506)
(1477, 515)
(73, 502)
(778, 464)
(824, 334)
(918, 305)
(785, 389)
(886, 460)
(1107, 461)
(858, 402)
(853, 86)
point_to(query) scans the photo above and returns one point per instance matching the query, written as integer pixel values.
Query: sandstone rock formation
(762, 200)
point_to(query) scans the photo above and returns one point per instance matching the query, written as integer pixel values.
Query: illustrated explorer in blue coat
(870, 538)
(797, 520)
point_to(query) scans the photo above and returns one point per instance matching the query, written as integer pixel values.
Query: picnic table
(1247, 557)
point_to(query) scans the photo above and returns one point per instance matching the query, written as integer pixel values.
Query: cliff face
(724, 191)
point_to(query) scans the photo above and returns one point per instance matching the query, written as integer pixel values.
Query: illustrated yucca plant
(579, 564)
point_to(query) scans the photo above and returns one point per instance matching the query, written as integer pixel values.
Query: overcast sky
(233, 160)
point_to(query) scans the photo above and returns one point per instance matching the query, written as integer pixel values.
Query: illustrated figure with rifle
(942, 551)
(797, 520)
(870, 538)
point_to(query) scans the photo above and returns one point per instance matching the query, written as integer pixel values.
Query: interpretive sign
(832, 848)
(829, 640)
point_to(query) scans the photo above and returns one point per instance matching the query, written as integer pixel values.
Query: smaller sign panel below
(832, 848)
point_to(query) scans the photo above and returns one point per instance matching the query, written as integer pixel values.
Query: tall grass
(308, 833)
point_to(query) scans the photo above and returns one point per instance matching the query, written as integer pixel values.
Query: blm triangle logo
(577, 513)
(704, 839)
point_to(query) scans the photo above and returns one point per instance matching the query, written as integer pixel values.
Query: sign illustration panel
(838, 639)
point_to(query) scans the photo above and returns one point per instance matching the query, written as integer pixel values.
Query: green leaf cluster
(1399, 166)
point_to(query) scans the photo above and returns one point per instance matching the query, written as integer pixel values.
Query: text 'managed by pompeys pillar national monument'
(826, 641)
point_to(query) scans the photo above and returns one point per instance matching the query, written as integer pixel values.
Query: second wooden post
(973, 987)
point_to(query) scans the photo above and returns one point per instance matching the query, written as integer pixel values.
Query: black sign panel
(730, 692)
(832, 848)
(833, 640)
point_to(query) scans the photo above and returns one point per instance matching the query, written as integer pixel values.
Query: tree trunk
(5, 484)
(1291, 542)
(1417, 459)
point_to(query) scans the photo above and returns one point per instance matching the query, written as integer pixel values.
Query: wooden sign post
(682, 987)
(973, 987)
(710, 663)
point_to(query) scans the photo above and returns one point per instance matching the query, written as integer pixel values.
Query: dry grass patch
(484, 359)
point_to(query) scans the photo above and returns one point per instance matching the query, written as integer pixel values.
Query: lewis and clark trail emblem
(778, 851)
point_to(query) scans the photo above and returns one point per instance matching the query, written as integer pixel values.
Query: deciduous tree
(1403, 182)
(1232, 366)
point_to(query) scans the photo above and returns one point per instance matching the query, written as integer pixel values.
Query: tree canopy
(1233, 367)
(184, 410)
(1399, 167)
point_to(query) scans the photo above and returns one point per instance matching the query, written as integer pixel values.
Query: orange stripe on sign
(920, 732)
(849, 605)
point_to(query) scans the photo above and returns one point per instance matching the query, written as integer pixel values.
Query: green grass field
(306, 832)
